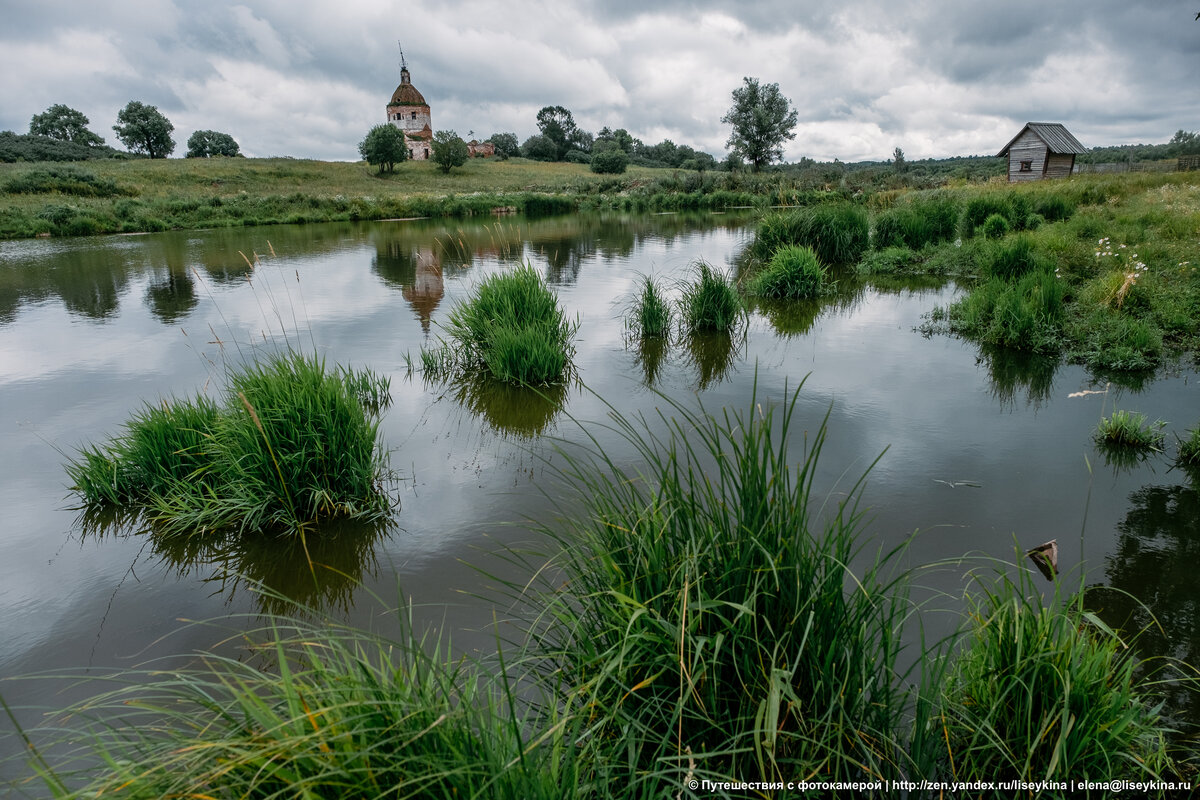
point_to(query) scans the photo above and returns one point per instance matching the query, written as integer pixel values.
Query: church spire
(404, 76)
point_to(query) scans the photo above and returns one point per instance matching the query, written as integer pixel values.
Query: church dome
(406, 94)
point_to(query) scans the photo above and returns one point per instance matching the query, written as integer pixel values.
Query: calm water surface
(984, 453)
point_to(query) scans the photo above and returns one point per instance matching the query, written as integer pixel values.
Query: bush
(995, 227)
(793, 272)
(709, 304)
(609, 162)
(511, 329)
(64, 180)
(293, 443)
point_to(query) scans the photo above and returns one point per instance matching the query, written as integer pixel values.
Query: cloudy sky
(307, 78)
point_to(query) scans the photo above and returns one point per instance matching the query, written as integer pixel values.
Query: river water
(986, 454)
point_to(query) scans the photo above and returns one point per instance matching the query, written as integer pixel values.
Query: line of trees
(143, 129)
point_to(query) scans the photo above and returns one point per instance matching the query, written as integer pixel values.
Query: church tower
(409, 112)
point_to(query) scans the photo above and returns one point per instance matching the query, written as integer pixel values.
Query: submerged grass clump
(710, 304)
(512, 329)
(291, 444)
(1131, 430)
(650, 316)
(1046, 694)
(792, 273)
(715, 624)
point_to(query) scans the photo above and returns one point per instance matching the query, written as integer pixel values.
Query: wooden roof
(1054, 135)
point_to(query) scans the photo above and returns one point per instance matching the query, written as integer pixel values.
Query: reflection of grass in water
(319, 569)
(1013, 372)
(521, 410)
(713, 354)
(651, 352)
(790, 317)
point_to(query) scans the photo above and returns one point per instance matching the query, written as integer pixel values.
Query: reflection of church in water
(416, 271)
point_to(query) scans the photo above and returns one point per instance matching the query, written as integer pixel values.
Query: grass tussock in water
(714, 623)
(512, 329)
(1189, 449)
(1045, 693)
(792, 273)
(293, 442)
(837, 232)
(650, 316)
(1129, 430)
(1025, 314)
(710, 303)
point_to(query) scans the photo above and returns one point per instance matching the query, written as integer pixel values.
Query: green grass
(792, 273)
(710, 304)
(650, 316)
(291, 444)
(1023, 315)
(837, 232)
(1189, 449)
(512, 329)
(1129, 430)
(1041, 693)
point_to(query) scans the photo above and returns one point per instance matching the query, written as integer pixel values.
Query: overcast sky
(307, 78)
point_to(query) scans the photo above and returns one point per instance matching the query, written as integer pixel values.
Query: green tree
(449, 150)
(539, 148)
(898, 162)
(1185, 143)
(204, 144)
(144, 130)
(384, 147)
(762, 120)
(506, 145)
(65, 124)
(558, 125)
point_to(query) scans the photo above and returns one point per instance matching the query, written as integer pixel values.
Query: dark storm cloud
(309, 78)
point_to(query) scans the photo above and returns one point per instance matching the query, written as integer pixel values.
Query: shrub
(609, 162)
(650, 315)
(793, 272)
(1129, 430)
(995, 227)
(709, 304)
(291, 444)
(64, 180)
(1046, 694)
(512, 329)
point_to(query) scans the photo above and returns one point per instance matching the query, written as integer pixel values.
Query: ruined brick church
(409, 112)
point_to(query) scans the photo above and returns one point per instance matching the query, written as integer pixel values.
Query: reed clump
(1025, 314)
(1129, 430)
(1189, 449)
(293, 442)
(1042, 693)
(837, 232)
(715, 625)
(794, 272)
(710, 304)
(512, 330)
(650, 316)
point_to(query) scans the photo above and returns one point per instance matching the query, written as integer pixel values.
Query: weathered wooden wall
(1026, 148)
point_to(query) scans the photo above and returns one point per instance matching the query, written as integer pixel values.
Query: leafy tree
(558, 125)
(144, 130)
(449, 150)
(611, 161)
(898, 162)
(762, 120)
(1185, 143)
(384, 147)
(203, 144)
(539, 148)
(64, 124)
(506, 145)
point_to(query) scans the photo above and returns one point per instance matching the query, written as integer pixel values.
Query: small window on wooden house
(1027, 166)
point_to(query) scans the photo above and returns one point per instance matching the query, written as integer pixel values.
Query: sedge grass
(292, 444)
(650, 315)
(714, 624)
(512, 329)
(1042, 693)
(838, 232)
(793, 272)
(1129, 430)
(709, 303)
(1189, 449)
(1025, 314)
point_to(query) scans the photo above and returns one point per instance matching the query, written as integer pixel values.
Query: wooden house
(1041, 150)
